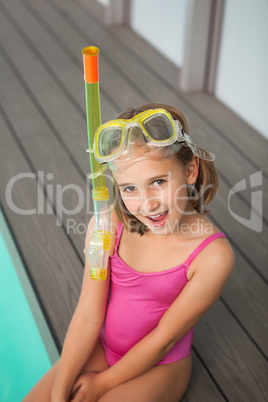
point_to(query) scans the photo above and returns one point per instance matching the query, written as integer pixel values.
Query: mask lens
(135, 135)
(158, 127)
(109, 140)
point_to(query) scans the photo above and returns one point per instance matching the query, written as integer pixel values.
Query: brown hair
(204, 188)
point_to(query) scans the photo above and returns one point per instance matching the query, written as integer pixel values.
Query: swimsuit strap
(202, 246)
(193, 255)
(118, 234)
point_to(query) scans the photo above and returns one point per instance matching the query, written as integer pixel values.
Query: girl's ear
(192, 170)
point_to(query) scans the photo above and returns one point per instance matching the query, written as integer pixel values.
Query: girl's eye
(129, 189)
(158, 182)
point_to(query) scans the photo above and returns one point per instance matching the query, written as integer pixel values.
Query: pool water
(27, 349)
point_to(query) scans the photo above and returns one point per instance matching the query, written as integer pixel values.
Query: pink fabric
(137, 302)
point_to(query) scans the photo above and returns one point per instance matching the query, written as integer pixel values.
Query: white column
(193, 72)
(118, 12)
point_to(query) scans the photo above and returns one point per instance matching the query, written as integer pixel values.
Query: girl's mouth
(158, 219)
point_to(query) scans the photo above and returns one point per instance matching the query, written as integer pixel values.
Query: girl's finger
(74, 391)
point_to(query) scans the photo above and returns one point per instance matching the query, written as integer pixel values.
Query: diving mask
(152, 129)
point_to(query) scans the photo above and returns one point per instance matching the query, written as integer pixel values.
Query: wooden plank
(236, 364)
(252, 245)
(46, 153)
(202, 387)
(239, 133)
(155, 62)
(55, 269)
(246, 296)
(60, 113)
(247, 139)
(75, 44)
(133, 43)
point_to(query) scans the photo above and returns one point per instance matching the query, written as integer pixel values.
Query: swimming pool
(27, 349)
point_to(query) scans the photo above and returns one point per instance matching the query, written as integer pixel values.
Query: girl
(168, 264)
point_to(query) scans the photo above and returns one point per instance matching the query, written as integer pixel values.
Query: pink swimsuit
(137, 302)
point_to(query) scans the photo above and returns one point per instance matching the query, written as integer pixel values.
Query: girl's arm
(215, 264)
(83, 331)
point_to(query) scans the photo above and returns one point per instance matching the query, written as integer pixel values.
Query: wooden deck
(43, 134)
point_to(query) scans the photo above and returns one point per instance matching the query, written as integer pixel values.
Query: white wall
(162, 24)
(104, 2)
(242, 77)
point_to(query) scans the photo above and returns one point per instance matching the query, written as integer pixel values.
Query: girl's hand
(87, 388)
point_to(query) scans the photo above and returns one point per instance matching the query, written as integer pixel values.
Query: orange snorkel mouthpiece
(91, 64)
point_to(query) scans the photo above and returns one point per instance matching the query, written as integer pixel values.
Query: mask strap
(98, 173)
(183, 137)
(200, 152)
(180, 132)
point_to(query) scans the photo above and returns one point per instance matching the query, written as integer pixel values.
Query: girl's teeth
(154, 216)
(158, 218)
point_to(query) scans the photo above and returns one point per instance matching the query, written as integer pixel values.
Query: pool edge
(36, 310)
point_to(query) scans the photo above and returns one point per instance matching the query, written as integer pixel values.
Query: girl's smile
(159, 220)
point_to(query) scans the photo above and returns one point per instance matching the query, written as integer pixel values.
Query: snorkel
(98, 251)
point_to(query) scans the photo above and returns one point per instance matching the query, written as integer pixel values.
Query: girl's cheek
(181, 198)
(133, 205)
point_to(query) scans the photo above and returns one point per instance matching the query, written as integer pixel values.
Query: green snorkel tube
(98, 252)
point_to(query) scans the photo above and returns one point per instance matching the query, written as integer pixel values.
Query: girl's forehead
(141, 169)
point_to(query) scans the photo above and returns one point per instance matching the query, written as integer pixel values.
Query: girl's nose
(150, 202)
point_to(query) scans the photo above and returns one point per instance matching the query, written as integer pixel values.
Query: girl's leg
(42, 390)
(166, 382)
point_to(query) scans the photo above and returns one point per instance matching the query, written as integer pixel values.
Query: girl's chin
(159, 230)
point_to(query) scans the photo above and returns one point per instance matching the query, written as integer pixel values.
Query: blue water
(27, 349)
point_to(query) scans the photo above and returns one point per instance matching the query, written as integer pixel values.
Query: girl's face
(155, 192)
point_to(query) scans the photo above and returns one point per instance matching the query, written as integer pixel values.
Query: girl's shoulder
(216, 255)
(216, 262)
